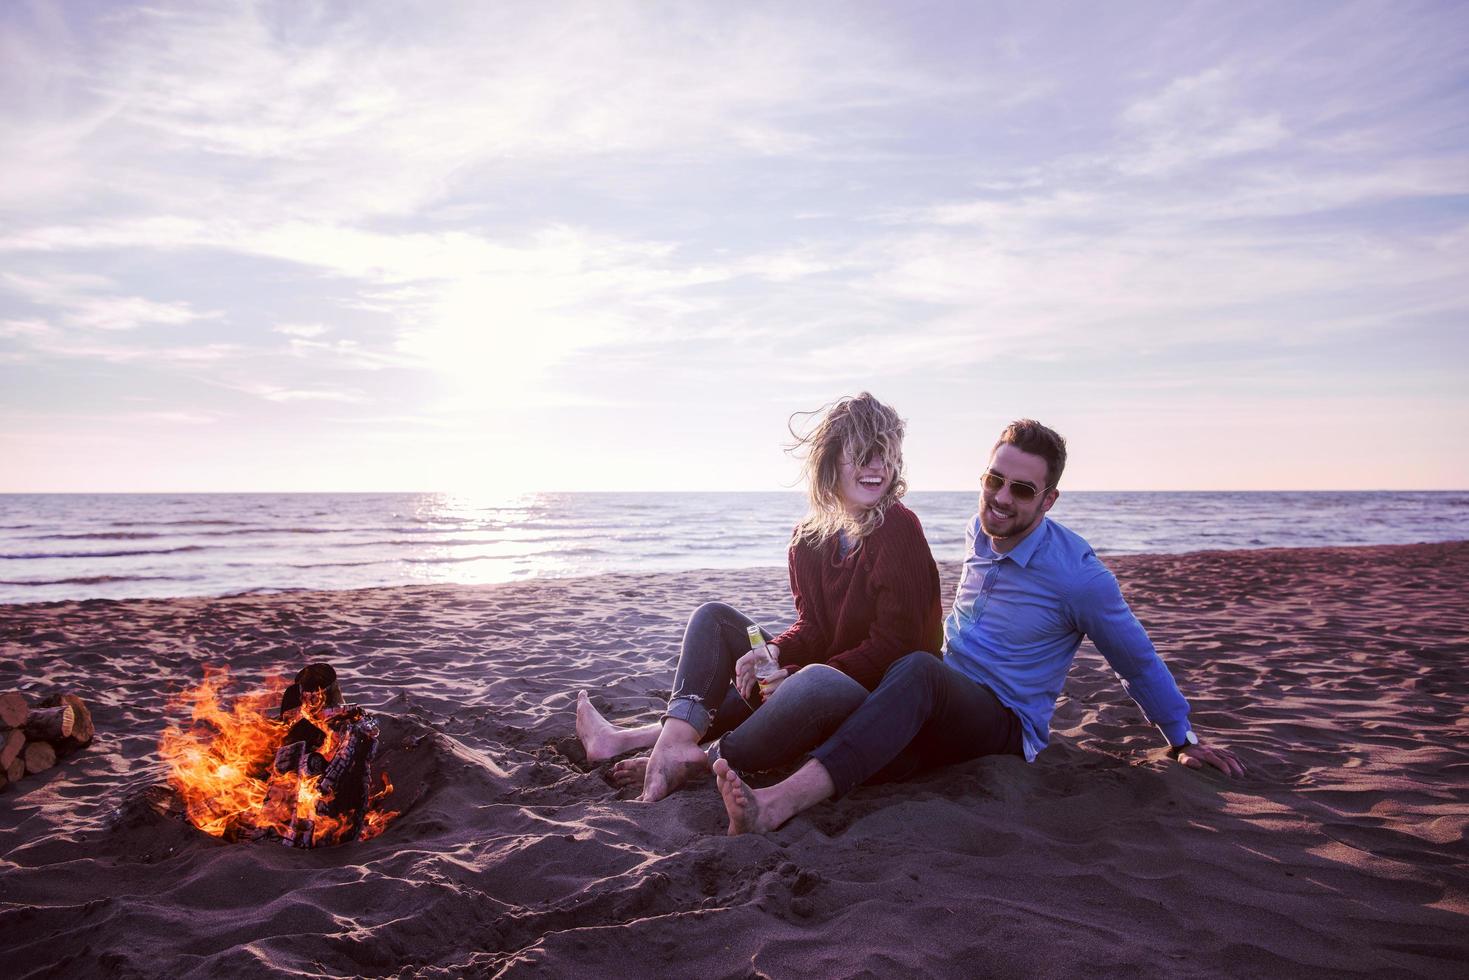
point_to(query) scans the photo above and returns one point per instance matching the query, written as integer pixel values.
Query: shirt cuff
(1174, 731)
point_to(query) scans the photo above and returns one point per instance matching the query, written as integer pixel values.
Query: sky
(498, 247)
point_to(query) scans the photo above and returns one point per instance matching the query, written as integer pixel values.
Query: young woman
(867, 593)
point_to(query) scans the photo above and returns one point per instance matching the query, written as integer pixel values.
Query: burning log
(314, 690)
(332, 795)
(302, 777)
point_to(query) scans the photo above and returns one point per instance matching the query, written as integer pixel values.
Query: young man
(1029, 592)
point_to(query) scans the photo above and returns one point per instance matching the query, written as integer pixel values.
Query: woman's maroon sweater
(862, 612)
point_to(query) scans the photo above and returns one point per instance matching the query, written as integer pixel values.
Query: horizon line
(520, 493)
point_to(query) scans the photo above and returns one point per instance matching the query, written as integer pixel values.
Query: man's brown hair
(1030, 436)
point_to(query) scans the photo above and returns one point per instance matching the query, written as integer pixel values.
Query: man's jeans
(806, 708)
(924, 714)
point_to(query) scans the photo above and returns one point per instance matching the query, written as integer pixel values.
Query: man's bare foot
(759, 811)
(670, 766)
(630, 772)
(740, 801)
(603, 740)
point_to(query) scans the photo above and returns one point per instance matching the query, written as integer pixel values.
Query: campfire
(293, 763)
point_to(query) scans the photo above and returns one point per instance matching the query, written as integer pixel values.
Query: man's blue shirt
(1019, 617)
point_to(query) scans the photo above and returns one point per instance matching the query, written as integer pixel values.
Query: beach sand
(1338, 675)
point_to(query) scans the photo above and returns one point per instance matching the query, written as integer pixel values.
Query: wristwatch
(1189, 741)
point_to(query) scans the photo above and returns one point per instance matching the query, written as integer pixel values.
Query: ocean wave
(409, 543)
(187, 523)
(22, 556)
(342, 564)
(450, 560)
(246, 530)
(98, 580)
(98, 535)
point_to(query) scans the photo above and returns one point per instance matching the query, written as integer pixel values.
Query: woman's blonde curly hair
(855, 429)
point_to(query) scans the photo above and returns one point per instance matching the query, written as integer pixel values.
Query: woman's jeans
(923, 714)
(807, 707)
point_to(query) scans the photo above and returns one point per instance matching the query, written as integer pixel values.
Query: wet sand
(1338, 675)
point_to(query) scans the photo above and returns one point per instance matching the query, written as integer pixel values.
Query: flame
(222, 767)
(377, 819)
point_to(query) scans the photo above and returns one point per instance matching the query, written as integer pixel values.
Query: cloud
(301, 329)
(75, 297)
(24, 328)
(170, 418)
(277, 393)
(521, 206)
(348, 354)
(1193, 120)
(55, 343)
(368, 114)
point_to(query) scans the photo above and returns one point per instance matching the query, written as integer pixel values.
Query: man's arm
(1100, 612)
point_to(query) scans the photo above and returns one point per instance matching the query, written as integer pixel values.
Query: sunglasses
(1020, 490)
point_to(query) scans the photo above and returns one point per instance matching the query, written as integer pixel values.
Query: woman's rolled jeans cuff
(714, 640)
(690, 709)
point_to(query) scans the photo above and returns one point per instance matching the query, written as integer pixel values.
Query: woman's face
(861, 484)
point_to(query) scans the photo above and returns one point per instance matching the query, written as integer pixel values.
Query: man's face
(1002, 515)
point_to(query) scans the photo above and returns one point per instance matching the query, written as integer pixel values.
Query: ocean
(115, 546)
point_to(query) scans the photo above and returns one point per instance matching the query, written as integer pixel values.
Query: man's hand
(768, 686)
(1198, 756)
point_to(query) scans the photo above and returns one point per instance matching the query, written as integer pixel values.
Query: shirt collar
(1023, 552)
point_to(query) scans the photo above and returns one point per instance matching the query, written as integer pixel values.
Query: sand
(1338, 675)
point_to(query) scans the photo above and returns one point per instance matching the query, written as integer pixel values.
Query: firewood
(39, 756)
(16, 769)
(13, 710)
(10, 745)
(50, 724)
(82, 729)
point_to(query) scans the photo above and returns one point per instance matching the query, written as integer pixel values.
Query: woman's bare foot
(603, 740)
(676, 758)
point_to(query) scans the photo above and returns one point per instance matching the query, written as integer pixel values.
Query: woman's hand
(745, 674)
(768, 686)
(745, 679)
